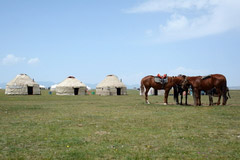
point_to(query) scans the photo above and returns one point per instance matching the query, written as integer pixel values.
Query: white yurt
(111, 85)
(71, 86)
(22, 84)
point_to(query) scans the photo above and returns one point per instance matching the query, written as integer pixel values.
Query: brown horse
(207, 83)
(148, 82)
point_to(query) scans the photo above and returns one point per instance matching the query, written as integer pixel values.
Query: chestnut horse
(200, 83)
(148, 82)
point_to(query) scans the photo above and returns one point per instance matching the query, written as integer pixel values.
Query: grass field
(120, 127)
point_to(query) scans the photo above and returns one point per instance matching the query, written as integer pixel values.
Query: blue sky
(89, 39)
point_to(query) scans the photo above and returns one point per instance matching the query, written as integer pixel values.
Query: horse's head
(181, 78)
(185, 83)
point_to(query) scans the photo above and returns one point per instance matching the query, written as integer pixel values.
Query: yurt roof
(71, 82)
(111, 81)
(22, 79)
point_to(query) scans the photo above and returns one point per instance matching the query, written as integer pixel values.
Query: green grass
(116, 127)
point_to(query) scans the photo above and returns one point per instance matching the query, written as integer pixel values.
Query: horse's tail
(142, 87)
(225, 90)
(228, 93)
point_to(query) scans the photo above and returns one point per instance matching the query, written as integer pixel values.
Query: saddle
(206, 77)
(161, 79)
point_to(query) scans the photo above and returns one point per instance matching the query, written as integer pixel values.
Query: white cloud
(176, 24)
(188, 71)
(12, 59)
(170, 5)
(211, 17)
(33, 60)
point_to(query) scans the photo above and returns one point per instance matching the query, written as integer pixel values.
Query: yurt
(111, 85)
(71, 86)
(22, 84)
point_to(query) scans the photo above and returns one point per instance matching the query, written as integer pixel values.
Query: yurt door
(76, 91)
(30, 90)
(118, 91)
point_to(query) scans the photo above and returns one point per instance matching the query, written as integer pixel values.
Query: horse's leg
(224, 100)
(181, 93)
(224, 93)
(177, 100)
(166, 96)
(219, 96)
(199, 99)
(186, 96)
(195, 96)
(194, 99)
(210, 100)
(219, 99)
(146, 95)
(175, 93)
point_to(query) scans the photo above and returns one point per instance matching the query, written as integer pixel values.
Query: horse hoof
(148, 102)
(165, 104)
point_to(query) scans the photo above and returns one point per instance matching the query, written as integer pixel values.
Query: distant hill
(46, 83)
(234, 88)
(133, 86)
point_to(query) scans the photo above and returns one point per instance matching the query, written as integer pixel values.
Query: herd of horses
(211, 84)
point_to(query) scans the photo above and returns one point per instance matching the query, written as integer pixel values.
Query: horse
(178, 90)
(148, 82)
(207, 83)
(213, 93)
